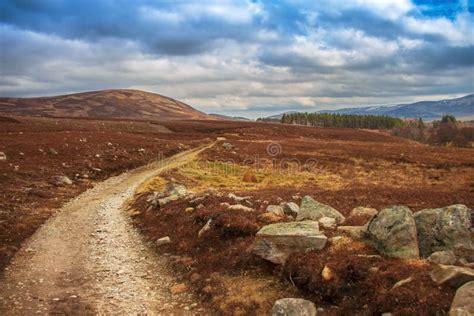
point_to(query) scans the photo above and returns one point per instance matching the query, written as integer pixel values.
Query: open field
(268, 163)
(340, 167)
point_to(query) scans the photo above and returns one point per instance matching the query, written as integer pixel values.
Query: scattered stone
(174, 189)
(277, 210)
(363, 211)
(52, 151)
(269, 217)
(109, 144)
(227, 146)
(393, 233)
(205, 228)
(220, 138)
(167, 199)
(96, 169)
(141, 150)
(327, 222)
(356, 232)
(463, 302)
(178, 288)
(452, 275)
(3, 156)
(237, 198)
(293, 307)
(62, 180)
(444, 229)
(240, 207)
(402, 282)
(443, 257)
(163, 241)
(225, 204)
(327, 274)
(313, 210)
(275, 242)
(189, 209)
(290, 208)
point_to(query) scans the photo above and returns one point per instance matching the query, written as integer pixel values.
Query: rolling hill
(130, 104)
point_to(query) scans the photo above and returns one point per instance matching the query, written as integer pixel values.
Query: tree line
(342, 120)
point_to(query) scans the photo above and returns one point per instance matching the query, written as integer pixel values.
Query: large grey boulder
(463, 302)
(444, 228)
(452, 275)
(393, 233)
(313, 210)
(275, 242)
(294, 307)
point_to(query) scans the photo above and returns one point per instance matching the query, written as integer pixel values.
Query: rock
(463, 302)
(443, 257)
(275, 242)
(293, 307)
(163, 241)
(290, 208)
(221, 138)
(52, 151)
(166, 200)
(313, 210)
(225, 204)
(237, 198)
(327, 274)
(444, 228)
(141, 150)
(269, 217)
(205, 228)
(393, 233)
(62, 181)
(178, 288)
(327, 222)
(174, 189)
(356, 232)
(227, 146)
(452, 275)
(277, 210)
(402, 282)
(363, 211)
(3, 156)
(189, 209)
(240, 207)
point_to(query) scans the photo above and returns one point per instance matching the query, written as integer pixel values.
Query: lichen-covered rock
(393, 233)
(463, 302)
(313, 210)
(275, 242)
(294, 307)
(444, 228)
(443, 257)
(290, 208)
(452, 275)
(275, 209)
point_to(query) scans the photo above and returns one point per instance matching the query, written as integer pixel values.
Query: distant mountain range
(461, 108)
(118, 103)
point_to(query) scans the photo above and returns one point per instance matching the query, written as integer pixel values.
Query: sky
(245, 58)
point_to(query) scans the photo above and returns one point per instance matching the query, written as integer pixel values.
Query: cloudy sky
(249, 58)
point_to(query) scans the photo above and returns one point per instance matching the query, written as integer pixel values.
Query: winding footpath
(89, 259)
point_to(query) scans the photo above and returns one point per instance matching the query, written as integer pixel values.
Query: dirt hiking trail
(89, 259)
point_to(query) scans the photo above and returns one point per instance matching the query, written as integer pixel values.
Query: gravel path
(89, 259)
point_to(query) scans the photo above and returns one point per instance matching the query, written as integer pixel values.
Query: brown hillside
(134, 104)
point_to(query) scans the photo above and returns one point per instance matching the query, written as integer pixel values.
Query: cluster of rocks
(443, 236)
